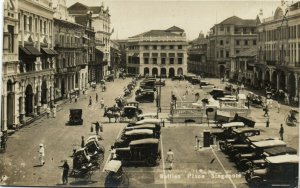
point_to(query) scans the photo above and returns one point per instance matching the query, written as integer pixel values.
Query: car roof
(283, 159)
(269, 143)
(147, 114)
(280, 150)
(129, 106)
(245, 129)
(258, 138)
(233, 124)
(145, 126)
(139, 131)
(218, 89)
(113, 166)
(144, 141)
(149, 120)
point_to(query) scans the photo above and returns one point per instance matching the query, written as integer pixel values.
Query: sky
(132, 17)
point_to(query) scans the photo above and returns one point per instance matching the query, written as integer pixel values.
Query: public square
(192, 168)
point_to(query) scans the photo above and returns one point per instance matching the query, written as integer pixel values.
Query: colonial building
(279, 49)
(197, 56)
(158, 52)
(33, 85)
(227, 39)
(71, 44)
(100, 19)
(115, 58)
(11, 93)
(122, 47)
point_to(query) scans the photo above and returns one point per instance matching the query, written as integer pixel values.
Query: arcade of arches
(165, 72)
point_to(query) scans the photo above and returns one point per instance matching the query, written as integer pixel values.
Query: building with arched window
(157, 52)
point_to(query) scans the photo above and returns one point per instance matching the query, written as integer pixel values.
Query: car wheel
(222, 147)
(150, 161)
(255, 181)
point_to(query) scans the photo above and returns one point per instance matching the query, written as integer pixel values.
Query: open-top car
(136, 134)
(281, 170)
(145, 151)
(75, 117)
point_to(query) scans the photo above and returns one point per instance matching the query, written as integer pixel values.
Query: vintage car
(195, 80)
(146, 151)
(246, 120)
(136, 134)
(75, 117)
(180, 77)
(217, 93)
(227, 129)
(256, 152)
(145, 121)
(279, 150)
(148, 84)
(281, 170)
(204, 83)
(238, 137)
(131, 110)
(147, 116)
(145, 96)
(155, 128)
(223, 117)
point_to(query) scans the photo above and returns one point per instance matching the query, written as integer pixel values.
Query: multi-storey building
(100, 19)
(279, 49)
(227, 39)
(72, 46)
(33, 85)
(115, 58)
(10, 67)
(197, 56)
(122, 47)
(158, 52)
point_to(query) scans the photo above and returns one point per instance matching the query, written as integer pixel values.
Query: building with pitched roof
(99, 18)
(279, 49)
(157, 52)
(226, 40)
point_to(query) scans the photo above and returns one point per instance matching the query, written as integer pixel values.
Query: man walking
(65, 172)
(102, 103)
(281, 131)
(97, 127)
(76, 97)
(170, 159)
(41, 154)
(278, 107)
(96, 97)
(82, 142)
(266, 109)
(90, 101)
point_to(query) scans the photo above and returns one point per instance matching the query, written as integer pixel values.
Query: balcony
(68, 45)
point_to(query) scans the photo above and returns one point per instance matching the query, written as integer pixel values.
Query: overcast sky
(131, 17)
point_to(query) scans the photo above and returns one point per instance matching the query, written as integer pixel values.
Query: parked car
(128, 136)
(145, 96)
(217, 93)
(145, 121)
(246, 120)
(205, 83)
(227, 129)
(145, 151)
(155, 128)
(147, 116)
(280, 170)
(75, 117)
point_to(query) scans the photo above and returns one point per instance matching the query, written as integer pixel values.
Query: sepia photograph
(150, 93)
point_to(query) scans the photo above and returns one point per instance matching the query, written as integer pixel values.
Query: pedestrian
(82, 142)
(70, 95)
(65, 172)
(41, 154)
(48, 111)
(90, 101)
(76, 97)
(96, 97)
(242, 87)
(278, 107)
(238, 90)
(102, 103)
(170, 159)
(266, 109)
(54, 111)
(97, 127)
(281, 131)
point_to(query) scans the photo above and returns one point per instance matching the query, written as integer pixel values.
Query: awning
(77, 36)
(163, 55)
(48, 51)
(136, 55)
(30, 50)
(54, 52)
(171, 54)
(86, 38)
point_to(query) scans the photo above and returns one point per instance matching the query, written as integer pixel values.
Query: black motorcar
(136, 134)
(75, 117)
(145, 96)
(218, 93)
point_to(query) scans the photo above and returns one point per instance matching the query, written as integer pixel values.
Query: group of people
(50, 110)
(96, 98)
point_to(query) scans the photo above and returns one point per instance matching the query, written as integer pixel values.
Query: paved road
(204, 168)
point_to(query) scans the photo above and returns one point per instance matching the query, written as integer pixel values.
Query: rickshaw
(82, 165)
(115, 175)
(128, 136)
(291, 118)
(145, 151)
(281, 170)
(94, 149)
(75, 117)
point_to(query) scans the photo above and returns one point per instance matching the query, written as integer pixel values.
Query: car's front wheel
(150, 161)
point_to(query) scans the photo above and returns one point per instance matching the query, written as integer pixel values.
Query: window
(19, 18)
(221, 42)
(163, 47)
(237, 42)
(228, 29)
(171, 47)
(227, 41)
(36, 25)
(179, 60)
(163, 60)
(30, 23)
(25, 23)
(146, 61)
(221, 28)
(146, 47)
(244, 30)
(179, 47)
(41, 26)
(252, 30)
(227, 54)
(171, 60)
(237, 51)
(254, 42)
(221, 54)
(246, 42)
(154, 47)
(154, 60)
(8, 39)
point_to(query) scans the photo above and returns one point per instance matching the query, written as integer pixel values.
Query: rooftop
(161, 33)
(234, 20)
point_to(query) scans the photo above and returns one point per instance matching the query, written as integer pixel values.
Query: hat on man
(41, 145)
